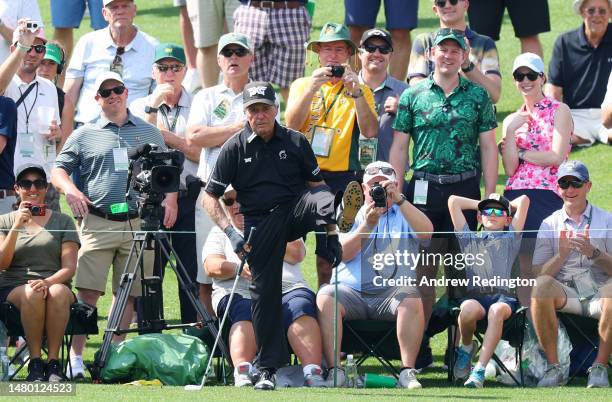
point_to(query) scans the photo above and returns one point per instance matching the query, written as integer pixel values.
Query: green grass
(159, 18)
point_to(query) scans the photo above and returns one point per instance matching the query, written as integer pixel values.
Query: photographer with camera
(38, 256)
(332, 109)
(100, 150)
(385, 224)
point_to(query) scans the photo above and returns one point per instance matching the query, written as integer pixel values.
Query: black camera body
(337, 71)
(38, 209)
(379, 195)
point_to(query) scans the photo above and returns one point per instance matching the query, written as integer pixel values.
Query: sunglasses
(228, 201)
(387, 171)
(38, 49)
(566, 183)
(442, 3)
(117, 64)
(176, 68)
(447, 31)
(381, 49)
(27, 184)
(118, 90)
(240, 52)
(518, 76)
(594, 10)
(493, 212)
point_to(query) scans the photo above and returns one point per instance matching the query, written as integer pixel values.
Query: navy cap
(258, 92)
(573, 168)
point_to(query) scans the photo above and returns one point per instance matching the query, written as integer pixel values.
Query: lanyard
(164, 114)
(327, 110)
(28, 113)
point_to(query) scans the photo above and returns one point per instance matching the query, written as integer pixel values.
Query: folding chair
(223, 367)
(513, 332)
(83, 321)
(581, 329)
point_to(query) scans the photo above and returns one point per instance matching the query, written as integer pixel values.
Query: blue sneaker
(463, 364)
(477, 377)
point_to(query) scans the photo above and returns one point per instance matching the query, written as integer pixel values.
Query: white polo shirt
(94, 54)
(176, 122)
(31, 146)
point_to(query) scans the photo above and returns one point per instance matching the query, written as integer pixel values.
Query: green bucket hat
(447, 33)
(53, 53)
(169, 51)
(332, 32)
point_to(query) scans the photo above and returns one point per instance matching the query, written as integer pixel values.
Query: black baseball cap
(495, 201)
(258, 92)
(21, 170)
(376, 33)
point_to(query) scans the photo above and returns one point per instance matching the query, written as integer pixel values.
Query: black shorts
(4, 292)
(529, 17)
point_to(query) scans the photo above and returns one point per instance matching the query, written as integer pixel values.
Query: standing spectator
(536, 140)
(18, 80)
(121, 48)
(278, 30)
(66, 15)
(376, 52)
(12, 11)
(51, 68)
(529, 18)
(606, 109)
(209, 20)
(217, 114)
(332, 111)
(168, 108)
(8, 140)
(482, 65)
(191, 82)
(580, 67)
(100, 149)
(401, 16)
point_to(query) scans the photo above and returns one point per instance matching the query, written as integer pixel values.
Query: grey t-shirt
(37, 256)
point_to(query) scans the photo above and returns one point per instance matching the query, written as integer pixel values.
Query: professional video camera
(154, 173)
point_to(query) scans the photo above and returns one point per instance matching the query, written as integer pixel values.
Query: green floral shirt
(445, 130)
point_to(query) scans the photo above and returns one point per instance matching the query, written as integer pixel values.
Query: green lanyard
(326, 111)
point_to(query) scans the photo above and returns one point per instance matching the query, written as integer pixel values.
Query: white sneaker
(407, 379)
(242, 376)
(77, 366)
(315, 379)
(598, 376)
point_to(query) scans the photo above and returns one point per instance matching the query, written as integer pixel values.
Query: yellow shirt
(332, 108)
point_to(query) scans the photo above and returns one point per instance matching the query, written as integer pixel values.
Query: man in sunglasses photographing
(38, 141)
(573, 256)
(482, 67)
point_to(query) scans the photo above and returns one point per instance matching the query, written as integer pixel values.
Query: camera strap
(327, 110)
(164, 109)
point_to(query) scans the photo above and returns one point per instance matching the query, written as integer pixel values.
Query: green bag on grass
(174, 359)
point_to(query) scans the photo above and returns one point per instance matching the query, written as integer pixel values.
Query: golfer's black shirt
(264, 174)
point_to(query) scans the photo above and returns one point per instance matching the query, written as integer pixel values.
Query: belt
(445, 178)
(275, 4)
(6, 193)
(113, 217)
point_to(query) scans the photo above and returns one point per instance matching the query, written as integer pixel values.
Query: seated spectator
(482, 66)
(38, 254)
(606, 109)
(536, 140)
(574, 257)
(580, 67)
(298, 302)
(499, 243)
(361, 292)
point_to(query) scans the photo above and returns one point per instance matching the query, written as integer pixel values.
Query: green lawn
(159, 18)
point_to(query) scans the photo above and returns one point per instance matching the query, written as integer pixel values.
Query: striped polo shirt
(90, 147)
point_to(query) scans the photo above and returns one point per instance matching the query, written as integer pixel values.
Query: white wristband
(23, 48)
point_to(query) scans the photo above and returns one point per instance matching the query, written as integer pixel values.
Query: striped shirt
(90, 147)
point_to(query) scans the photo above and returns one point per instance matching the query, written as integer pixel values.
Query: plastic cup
(379, 381)
(44, 116)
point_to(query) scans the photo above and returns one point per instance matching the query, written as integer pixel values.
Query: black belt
(275, 4)
(6, 193)
(113, 217)
(445, 178)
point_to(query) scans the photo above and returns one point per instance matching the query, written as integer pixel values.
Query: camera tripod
(153, 320)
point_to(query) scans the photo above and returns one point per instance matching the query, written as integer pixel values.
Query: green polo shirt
(445, 130)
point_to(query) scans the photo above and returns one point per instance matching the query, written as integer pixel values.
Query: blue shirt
(8, 129)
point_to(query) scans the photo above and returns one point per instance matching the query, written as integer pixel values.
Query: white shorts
(587, 125)
(203, 226)
(588, 308)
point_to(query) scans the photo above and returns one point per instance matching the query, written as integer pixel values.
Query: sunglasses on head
(38, 49)
(176, 68)
(382, 49)
(240, 52)
(447, 31)
(566, 183)
(118, 90)
(594, 10)
(531, 76)
(493, 212)
(442, 3)
(228, 201)
(27, 184)
(387, 171)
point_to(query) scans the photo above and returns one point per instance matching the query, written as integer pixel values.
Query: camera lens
(35, 210)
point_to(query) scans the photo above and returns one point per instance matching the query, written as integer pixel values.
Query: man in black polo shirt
(282, 194)
(8, 140)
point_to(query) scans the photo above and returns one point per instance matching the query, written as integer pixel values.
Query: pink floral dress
(536, 135)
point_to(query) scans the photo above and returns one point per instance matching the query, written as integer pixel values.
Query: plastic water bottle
(351, 373)
(4, 359)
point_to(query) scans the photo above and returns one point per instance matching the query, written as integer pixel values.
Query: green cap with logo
(452, 34)
(234, 38)
(169, 51)
(53, 53)
(332, 32)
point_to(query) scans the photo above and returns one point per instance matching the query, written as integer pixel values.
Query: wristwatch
(359, 94)
(595, 255)
(403, 200)
(469, 68)
(521, 154)
(149, 109)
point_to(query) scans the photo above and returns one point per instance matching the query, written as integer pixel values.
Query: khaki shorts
(209, 19)
(587, 125)
(588, 308)
(105, 243)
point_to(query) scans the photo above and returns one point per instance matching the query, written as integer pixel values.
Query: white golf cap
(108, 75)
(377, 169)
(530, 60)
